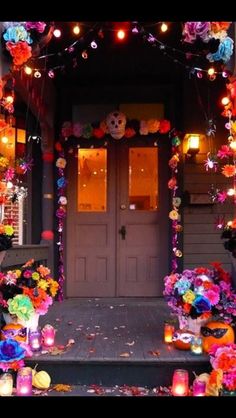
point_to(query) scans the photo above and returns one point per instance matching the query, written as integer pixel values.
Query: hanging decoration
(24, 40)
(60, 215)
(208, 31)
(117, 125)
(174, 215)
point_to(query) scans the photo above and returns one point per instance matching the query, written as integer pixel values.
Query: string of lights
(92, 37)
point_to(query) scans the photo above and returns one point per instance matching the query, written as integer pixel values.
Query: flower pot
(191, 324)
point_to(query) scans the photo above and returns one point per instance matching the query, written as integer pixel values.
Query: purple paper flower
(39, 26)
(194, 29)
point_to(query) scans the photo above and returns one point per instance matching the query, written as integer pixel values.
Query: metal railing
(18, 255)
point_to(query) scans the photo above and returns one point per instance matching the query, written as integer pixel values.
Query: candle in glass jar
(6, 384)
(199, 387)
(48, 334)
(180, 383)
(24, 382)
(35, 340)
(168, 333)
(196, 344)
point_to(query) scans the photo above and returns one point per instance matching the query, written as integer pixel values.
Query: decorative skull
(116, 122)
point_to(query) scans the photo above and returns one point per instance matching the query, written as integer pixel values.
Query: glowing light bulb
(211, 71)
(225, 101)
(233, 145)
(4, 139)
(230, 192)
(121, 34)
(57, 33)
(9, 99)
(76, 29)
(28, 70)
(164, 27)
(9, 185)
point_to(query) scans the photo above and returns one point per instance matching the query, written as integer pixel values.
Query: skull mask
(116, 122)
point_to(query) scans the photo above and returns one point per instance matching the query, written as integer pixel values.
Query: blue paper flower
(16, 34)
(201, 304)
(10, 350)
(223, 52)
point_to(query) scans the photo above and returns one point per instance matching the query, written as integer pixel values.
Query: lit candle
(168, 333)
(35, 340)
(180, 383)
(6, 384)
(48, 334)
(199, 387)
(24, 382)
(196, 344)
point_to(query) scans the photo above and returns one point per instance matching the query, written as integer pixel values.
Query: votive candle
(48, 334)
(180, 383)
(168, 333)
(196, 344)
(6, 384)
(35, 340)
(24, 382)
(199, 387)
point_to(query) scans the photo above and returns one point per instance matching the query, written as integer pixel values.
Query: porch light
(193, 144)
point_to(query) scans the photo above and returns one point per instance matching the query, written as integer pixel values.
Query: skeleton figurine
(116, 122)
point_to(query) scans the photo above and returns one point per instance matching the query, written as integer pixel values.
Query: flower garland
(61, 214)
(176, 227)
(207, 31)
(130, 128)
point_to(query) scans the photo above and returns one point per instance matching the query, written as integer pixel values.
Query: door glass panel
(92, 180)
(143, 184)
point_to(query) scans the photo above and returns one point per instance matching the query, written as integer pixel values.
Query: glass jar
(6, 384)
(180, 383)
(24, 382)
(196, 345)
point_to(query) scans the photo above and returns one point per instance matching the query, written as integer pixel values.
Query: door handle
(122, 232)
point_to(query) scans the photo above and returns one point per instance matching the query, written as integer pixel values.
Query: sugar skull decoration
(182, 339)
(116, 122)
(14, 331)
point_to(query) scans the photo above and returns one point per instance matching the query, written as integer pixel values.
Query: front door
(117, 224)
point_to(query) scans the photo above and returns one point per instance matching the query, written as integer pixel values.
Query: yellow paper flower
(189, 297)
(9, 230)
(35, 275)
(42, 284)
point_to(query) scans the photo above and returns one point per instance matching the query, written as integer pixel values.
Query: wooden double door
(117, 220)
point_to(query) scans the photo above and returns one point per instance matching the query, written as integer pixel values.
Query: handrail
(19, 254)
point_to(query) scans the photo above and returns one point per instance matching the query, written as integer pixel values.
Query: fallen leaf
(97, 389)
(130, 344)
(92, 350)
(58, 319)
(122, 326)
(69, 322)
(125, 355)
(62, 388)
(71, 341)
(55, 351)
(155, 353)
(90, 336)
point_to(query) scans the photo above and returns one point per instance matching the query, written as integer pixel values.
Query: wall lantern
(193, 144)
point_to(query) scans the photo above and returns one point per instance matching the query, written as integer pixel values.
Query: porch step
(113, 373)
(116, 342)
